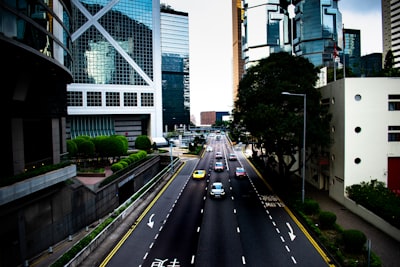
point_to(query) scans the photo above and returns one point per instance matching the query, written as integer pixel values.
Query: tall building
(35, 49)
(352, 50)
(391, 29)
(175, 68)
(35, 52)
(265, 30)
(238, 61)
(117, 69)
(314, 29)
(317, 30)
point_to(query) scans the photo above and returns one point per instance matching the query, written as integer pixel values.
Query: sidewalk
(384, 246)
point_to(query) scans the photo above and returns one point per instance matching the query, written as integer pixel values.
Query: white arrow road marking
(151, 223)
(291, 234)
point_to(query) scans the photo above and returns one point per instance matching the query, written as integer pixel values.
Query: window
(74, 99)
(147, 99)
(112, 99)
(394, 133)
(130, 99)
(94, 99)
(394, 102)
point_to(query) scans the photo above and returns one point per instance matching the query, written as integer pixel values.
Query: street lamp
(303, 169)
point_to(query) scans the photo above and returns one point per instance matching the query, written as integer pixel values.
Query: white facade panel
(359, 130)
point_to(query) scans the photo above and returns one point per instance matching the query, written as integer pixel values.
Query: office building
(175, 69)
(391, 29)
(36, 60)
(352, 50)
(238, 60)
(314, 29)
(117, 70)
(265, 30)
(36, 66)
(371, 65)
(317, 30)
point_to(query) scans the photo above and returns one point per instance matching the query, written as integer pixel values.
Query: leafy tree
(276, 120)
(388, 67)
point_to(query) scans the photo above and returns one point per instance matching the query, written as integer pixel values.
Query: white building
(365, 132)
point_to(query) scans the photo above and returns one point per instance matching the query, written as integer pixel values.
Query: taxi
(199, 174)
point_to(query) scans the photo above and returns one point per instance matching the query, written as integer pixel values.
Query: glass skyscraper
(313, 32)
(175, 68)
(117, 73)
(317, 30)
(352, 50)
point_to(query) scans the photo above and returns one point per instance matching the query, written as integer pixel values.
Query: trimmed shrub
(117, 166)
(310, 206)
(354, 240)
(72, 148)
(143, 142)
(327, 219)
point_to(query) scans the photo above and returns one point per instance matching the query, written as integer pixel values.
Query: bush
(354, 240)
(310, 206)
(143, 142)
(116, 167)
(379, 199)
(327, 219)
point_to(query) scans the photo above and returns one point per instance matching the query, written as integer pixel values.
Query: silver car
(217, 190)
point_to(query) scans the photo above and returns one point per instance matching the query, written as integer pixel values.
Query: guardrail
(124, 210)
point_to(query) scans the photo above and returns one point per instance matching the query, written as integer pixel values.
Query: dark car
(240, 173)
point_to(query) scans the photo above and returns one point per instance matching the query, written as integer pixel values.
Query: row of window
(112, 99)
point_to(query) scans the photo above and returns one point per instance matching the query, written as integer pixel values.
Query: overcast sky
(210, 42)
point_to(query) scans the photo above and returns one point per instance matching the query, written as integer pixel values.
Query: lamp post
(303, 169)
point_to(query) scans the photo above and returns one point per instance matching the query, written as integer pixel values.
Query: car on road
(232, 157)
(209, 148)
(217, 190)
(240, 173)
(199, 174)
(218, 155)
(219, 166)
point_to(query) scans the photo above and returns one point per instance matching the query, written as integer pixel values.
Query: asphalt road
(183, 226)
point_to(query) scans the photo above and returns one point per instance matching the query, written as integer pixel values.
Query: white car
(217, 190)
(209, 149)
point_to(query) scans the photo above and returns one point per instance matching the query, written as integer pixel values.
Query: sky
(210, 43)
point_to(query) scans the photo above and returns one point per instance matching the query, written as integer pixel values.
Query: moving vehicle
(218, 155)
(199, 174)
(240, 173)
(209, 148)
(232, 157)
(217, 190)
(219, 166)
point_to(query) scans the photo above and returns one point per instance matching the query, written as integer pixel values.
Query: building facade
(117, 70)
(365, 130)
(371, 65)
(391, 29)
(36, 60)
(175, 69)
(312, 31)
(352, 50)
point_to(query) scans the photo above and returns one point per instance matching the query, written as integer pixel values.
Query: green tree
(276, 120)
(388, 67)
